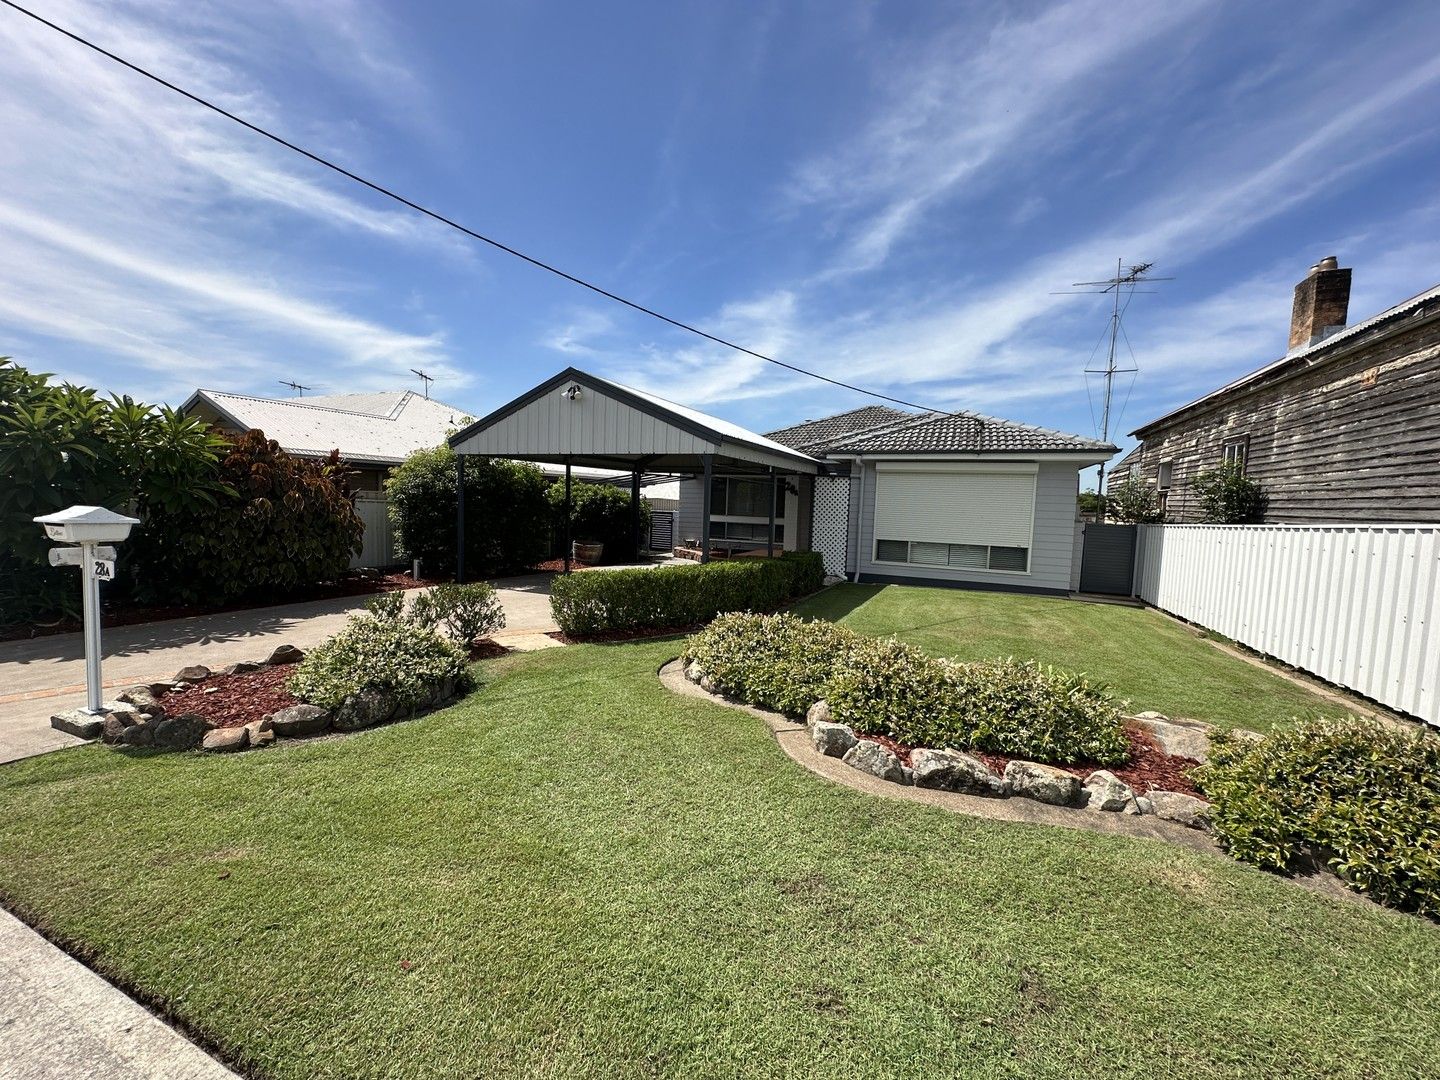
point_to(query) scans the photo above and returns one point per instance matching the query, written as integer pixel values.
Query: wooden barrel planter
(586, 552)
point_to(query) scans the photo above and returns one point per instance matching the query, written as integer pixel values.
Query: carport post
(567, 514)
(459, 517)
(709, 462)
(770, 536)
(635, 513)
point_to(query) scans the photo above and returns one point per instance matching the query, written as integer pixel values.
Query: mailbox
(87, 525)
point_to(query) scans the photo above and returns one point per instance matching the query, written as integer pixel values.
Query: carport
(576, 418)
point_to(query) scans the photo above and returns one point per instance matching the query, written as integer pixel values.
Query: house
(1345, 427)
(885, 494)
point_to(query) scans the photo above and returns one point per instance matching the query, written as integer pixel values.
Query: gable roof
(381, 428)
(1376, 325)
(820, 435)
(967, 433)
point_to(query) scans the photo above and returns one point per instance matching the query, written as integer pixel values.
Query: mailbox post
(90, 529)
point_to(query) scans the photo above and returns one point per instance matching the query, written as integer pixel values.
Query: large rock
(1044, 783)
(819, 713)
(193, 673)
(950, 770)
(693, 671)
(299, 720)
(116, 724)
(285, 654)
(1178, 738)
(1180, 808)
(139, 696)
(185, 732)
(243, 667)
(226, 740)
(870, 757)
(442, 693)
(140, 735)
(160, 687)
(262, 732)
(1106, 791)
(80, 723)
(832, 740)
(365, 709)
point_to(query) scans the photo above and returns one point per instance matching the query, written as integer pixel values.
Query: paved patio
(46, 675)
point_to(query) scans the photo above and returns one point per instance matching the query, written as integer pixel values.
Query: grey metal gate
(662, 530)
(1107, 560)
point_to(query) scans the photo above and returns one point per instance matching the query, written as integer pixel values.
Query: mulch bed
(633, 634)
(234, 700)
(557, 566)
(485, 649)
(132, 616)
(1149, 768)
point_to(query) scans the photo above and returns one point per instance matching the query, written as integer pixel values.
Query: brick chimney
(1322, 301)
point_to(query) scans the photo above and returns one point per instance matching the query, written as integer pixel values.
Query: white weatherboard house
(885, 495)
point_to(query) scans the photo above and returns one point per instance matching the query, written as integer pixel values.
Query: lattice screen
(831, 523)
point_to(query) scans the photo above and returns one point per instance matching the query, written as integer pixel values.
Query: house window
(957, 518)
(740, 510)
(1162, 479)
(1236, 451)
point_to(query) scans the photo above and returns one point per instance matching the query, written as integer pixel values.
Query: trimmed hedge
(1365, 796)
(600, 601)
(885, 687)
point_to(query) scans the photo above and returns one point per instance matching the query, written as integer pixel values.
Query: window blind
(961, 507)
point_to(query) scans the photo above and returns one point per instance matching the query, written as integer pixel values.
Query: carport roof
(610, 425)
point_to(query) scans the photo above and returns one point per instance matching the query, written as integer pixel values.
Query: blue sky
(887, 193)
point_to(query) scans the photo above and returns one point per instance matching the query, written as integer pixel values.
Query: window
(745, 530)
(1236, 450)
(740, 510)
(956, 517)
(1162, 479)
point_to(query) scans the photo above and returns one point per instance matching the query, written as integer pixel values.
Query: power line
(436, 216)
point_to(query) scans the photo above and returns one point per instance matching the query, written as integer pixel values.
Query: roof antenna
(297, 387)
(1124, 281)
(426, 379)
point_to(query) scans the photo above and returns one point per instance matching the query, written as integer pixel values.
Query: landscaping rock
(1179, 738)
(185, 732)
(78, 722)
(138, 696)
(870, 757)
(1143, 805)
(298, 720)
(1044, 783)
(113, 728)
(707, 684)
(226, 740)
(1150, 714)
(153, 710)
(193, 673)
(819, 713)
(693, 671)
(160, 687)
(365, 709)
(832, 740)
(261, 733)
(285, 654)
(139, 735)
(442, 693)
(950, 770)
(244, 667)
(1106, 791)
(1180, 808)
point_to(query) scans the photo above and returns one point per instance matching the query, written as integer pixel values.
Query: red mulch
(557, 566)
(234, 700)
(485, 649)
(131, 616)
(625, 635)
(1149, 767)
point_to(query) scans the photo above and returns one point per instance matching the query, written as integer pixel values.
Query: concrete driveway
(46, 675)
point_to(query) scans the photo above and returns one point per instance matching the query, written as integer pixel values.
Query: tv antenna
(299, 388)
(1124, 282)
(426, 379)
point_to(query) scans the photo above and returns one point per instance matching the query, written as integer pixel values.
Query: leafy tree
(1133, 501)
(507, 521)
(599, 513)
(1089, 501)
(1228, 496)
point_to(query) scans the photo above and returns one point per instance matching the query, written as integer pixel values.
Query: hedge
(599, 514)
(1362, 795)
(373, 652)
(600, 601)
(885, 687)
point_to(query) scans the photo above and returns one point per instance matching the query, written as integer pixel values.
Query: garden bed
(232, 700)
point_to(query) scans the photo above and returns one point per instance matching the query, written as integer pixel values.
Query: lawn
(1143, 656)
(574, 873)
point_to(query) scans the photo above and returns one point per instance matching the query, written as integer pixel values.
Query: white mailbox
(87, 525)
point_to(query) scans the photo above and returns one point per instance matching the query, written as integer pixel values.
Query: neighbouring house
(1345, 427)
(885, 494)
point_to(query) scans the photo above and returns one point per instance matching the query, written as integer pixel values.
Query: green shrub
(507, 518)
(885, 687)
(284, 523)
(598, 601)
(599, 513)
(1363, 795)
(1227, 496)
(464, 612)
(393, 656)
(1133, 501)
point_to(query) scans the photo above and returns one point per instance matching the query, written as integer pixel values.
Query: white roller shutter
(980, 505)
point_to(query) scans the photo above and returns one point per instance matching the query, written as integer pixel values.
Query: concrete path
(46, 675)
(59, 1021)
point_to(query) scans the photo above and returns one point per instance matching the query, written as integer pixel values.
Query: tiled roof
(819, 435)
(966, 432)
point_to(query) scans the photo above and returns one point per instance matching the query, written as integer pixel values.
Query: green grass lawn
(1153, 661)
(575, 873)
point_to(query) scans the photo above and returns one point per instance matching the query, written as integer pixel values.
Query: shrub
(393, 656)
(779, 662)
(285, 522)
(670, 596)
(599, 513)
(507, 519)
(1227, 496)
(1133, 501)
(1364, 796)
(465, 612)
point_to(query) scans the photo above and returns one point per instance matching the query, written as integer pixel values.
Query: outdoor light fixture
(572, 392)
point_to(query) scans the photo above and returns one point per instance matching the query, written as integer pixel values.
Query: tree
(1133, 501)
(599, 513)
(1228, 496)
(1089, 501)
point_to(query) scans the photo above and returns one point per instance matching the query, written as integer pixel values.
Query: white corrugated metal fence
(1358, 605)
